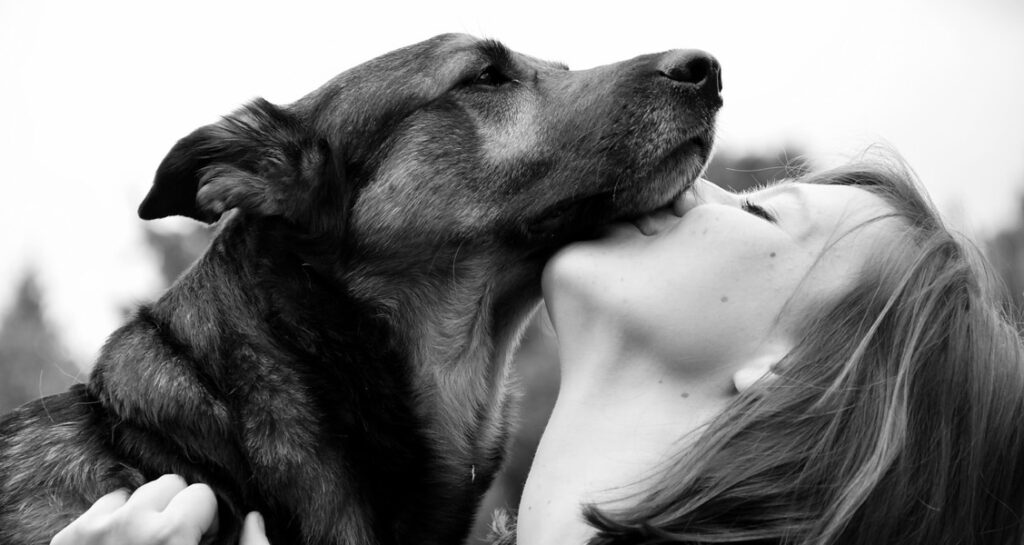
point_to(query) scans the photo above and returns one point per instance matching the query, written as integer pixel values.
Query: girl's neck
(621, 415)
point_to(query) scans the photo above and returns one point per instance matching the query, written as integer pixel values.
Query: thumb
(253, 530)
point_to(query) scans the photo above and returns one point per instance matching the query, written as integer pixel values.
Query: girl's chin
(568, 268)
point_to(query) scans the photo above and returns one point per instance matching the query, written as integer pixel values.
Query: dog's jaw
(586, 216)
(677, 172)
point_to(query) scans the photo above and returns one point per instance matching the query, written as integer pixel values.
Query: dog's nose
(694, 68)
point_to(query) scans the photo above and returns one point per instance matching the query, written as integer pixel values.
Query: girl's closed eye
(759, 211)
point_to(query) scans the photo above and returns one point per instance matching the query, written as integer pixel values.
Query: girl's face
(723, 283)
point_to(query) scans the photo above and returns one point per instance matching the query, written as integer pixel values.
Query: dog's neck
(461, 313)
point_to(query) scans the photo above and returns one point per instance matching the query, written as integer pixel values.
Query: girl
(815, 362)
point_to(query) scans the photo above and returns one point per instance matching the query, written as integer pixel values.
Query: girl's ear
(760, 369)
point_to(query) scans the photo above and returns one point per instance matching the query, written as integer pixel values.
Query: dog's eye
(491, 76)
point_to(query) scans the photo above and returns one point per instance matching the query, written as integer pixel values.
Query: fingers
(253, 530)
(155, 495)
(108, 504)
(163, 512)
(196, 507)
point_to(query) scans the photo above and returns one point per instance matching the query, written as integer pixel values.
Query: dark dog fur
(338, 358)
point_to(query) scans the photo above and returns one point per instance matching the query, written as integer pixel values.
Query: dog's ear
(260, 159)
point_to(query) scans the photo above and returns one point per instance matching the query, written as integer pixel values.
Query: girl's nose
(703, 192)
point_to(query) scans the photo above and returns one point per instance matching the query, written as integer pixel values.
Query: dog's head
(451, 140)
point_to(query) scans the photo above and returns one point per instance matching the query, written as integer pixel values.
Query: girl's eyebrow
(775, 182)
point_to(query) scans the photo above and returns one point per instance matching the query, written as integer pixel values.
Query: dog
(339, 358)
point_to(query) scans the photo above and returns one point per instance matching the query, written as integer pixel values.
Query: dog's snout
(692, 67)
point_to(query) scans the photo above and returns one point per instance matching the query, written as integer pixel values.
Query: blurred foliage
(176, 251)
(1006, 253)
(742, 171)
(32, 362)
(739, 172)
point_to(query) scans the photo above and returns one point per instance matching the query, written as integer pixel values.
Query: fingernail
(259, 521)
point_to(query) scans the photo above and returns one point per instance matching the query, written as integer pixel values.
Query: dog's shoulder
(54, 462)
(170, 411)
(59, 430)
(150, 377)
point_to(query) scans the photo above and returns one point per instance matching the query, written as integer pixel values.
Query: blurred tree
(1006, 252)
(33, 363)
(176, 251)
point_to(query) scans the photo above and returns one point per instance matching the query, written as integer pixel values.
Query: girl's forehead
(847, 229)
(818, 213)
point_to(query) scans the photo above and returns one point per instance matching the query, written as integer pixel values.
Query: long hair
(898, 418)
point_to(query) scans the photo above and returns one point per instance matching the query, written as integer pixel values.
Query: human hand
(166, 511)
(161, 512)
(253, 531)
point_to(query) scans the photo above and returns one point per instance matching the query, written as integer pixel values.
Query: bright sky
(93, 94)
